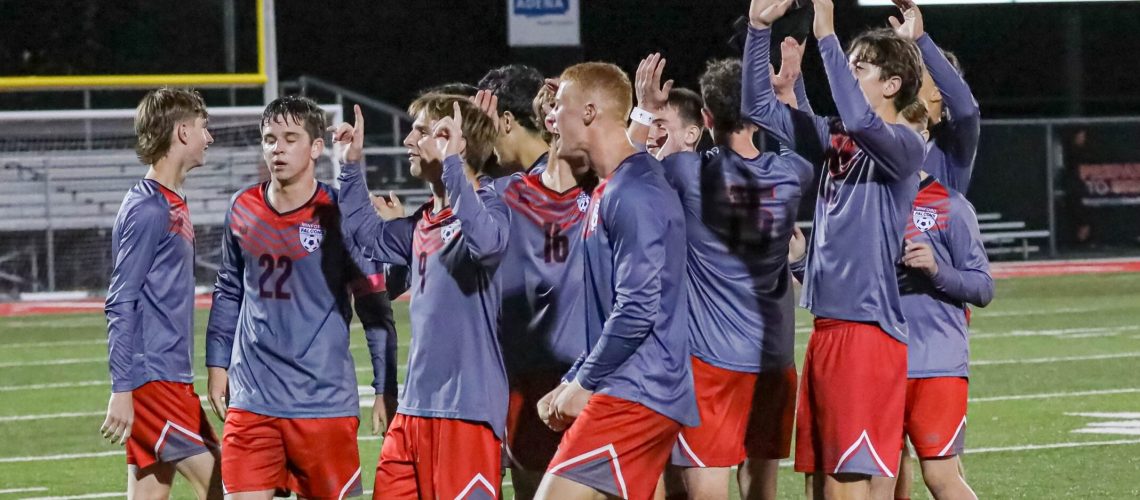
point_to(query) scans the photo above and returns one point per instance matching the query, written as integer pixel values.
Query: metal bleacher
(85, 191)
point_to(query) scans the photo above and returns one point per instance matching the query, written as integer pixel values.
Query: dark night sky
(1014, 56)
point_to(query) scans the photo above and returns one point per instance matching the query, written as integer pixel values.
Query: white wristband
(642, 116)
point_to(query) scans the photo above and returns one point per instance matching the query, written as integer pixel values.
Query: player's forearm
(359, 219)
(572, 373)
(382, 344)
(638, 135)
(803, 132)
(972, 286)
(122, 336)
(802, 102)
(798, 268)
(612, 350)
(220, 331)
(483, 220)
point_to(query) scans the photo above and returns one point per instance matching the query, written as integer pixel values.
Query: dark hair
(516, 86)
(451, 88)
(895, 57)
(299, 109)
(720, 90)
(158, 113)
(688, 105)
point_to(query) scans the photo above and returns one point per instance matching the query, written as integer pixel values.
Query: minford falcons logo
(311, 236)
(925, 218)
(583, 202)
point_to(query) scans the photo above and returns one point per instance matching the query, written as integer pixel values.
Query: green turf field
(1047, 350)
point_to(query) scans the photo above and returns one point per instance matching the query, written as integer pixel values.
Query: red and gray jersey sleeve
(229, 291)
(800, 130)
(149, 304)
(968, 277)
(956, 138)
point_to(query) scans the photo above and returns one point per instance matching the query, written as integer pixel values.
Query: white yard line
(22, 490)
(1032, 361)
(983, 313)
(1062, 332)
(60, 343)
(57, 385)
(48, 416)
(53, 362)
(69, 456)
(1051, 395)
(89, 495)
(1051, 446)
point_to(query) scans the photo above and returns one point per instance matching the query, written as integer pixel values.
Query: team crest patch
(311, 236)
(925, 218)
(449, 231)
(583, 202)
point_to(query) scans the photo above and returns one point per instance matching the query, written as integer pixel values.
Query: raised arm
(140, 231)
(385, 241)
(483, 217)
(638, 234)
(652, 97)
(801, 131)
(963, 126)
(898, 149)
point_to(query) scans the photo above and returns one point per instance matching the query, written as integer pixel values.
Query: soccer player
(740, 208)
(845, 436)
(445, 441)
(955, 119)
(150, 308)
(279, 326)
(542, 293)
(680, 121)
(631, 392)
(945, 267)
(519, 146)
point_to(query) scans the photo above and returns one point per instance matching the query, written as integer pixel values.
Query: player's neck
(886, 110)
(438, 196)
(610, 150)
(531, 148)
(168, 172)
(739, 142)
(289, 197)
(558, 176)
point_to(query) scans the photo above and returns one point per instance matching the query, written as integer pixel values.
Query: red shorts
(530, 443)
(849, 418)
(312, 457)
(742, 415)
(617, 447)
(427, 457)
(169, 424)
(936, 415)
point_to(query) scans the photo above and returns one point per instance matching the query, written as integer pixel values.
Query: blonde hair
(159, 111)
(544, 98)
(605, 82)
(478, 129)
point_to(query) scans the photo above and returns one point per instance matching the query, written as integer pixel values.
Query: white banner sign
(533, 23)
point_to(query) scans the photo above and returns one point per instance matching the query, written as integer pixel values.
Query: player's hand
(570, 402)
(383, 409)
(911, 27)
(546, 409)
(762, 13)
(218, 390)
(349, 139)
(652, 95)
(552, 84)
(389, 208)
(797, 247)
(120, 418)
(920, 256)
(488, 103)
(446, 137)
(784, 82)
(824, 22)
